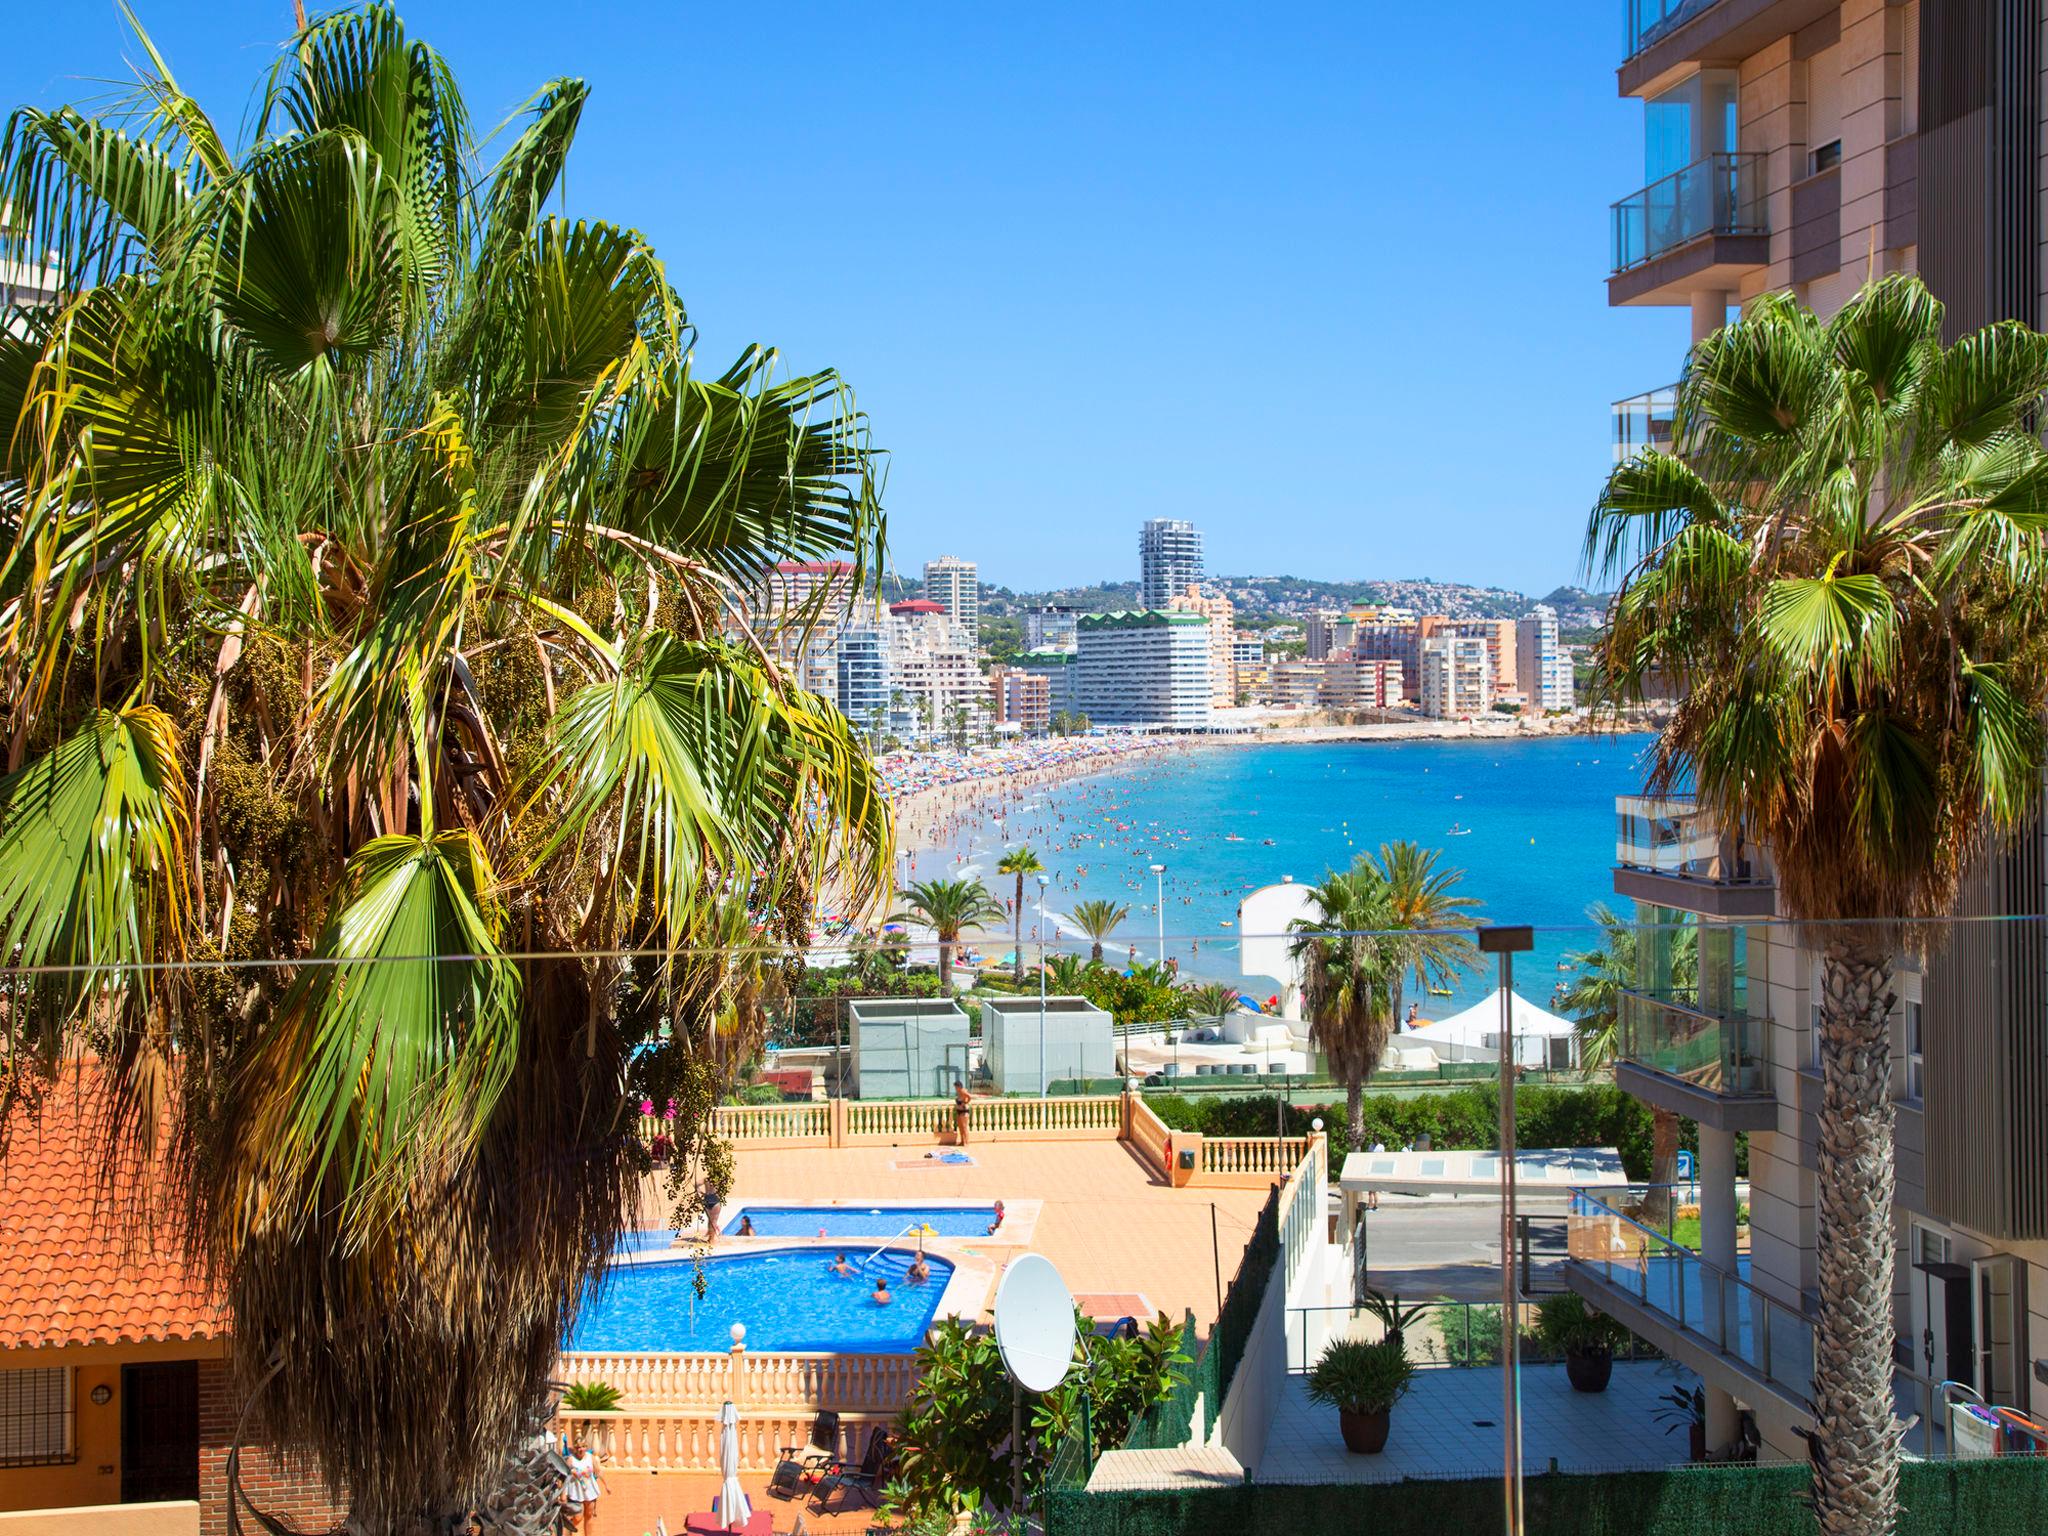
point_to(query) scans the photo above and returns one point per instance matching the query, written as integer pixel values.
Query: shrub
(1565, 1325)
(590, 1397)
(1358, 1377)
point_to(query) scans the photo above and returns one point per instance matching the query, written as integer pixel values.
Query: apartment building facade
(1543, 666)
(1020, 698)
(1052, 625)
(1146, 668)
(955, 585)
(1810, 146)
(1351, 683)
(1221, 614)
(800, 609)
(1169, 560)
(1457, 677)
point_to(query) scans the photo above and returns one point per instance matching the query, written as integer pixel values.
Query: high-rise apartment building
(1457, 677)
(1806, 147)
(1051, 625)
(1060, 668)
(1399, 639)
(1145, 668)
(1169, 560)
(1543, 668)
(1499, 636)
(866, 697)
(955, 585)
(800, 610)
(1021, 698)
(1351, 682)
(932, 673)
(1221, 613)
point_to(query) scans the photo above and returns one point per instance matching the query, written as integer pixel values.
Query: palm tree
(948, 907)
(1594, 1000)
(1843, 567)
(1098, 920)
(1066, 974)
(1020, 862)
(369, 541)
(1390, 917)
(1210, 1000)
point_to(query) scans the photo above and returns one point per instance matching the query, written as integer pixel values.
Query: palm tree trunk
(1663, 1166)
(946, 964)
(1019, 955)
(1354, 1112)
(1095, 952)
(1855, 1447)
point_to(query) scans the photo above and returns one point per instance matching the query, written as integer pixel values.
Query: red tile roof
(76, 1272)
(917, 605)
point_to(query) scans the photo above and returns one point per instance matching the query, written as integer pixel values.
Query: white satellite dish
(1035, 1323)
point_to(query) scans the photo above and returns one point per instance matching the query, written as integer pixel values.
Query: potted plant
(1586, 1337)
(1394, 1317)
(1686, 1406)
(1362, 1382)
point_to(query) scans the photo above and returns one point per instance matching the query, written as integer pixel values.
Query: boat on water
(1458, 831)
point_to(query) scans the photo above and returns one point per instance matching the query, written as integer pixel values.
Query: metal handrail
(1732, 206)
(1646, 21)
(1587, 1201)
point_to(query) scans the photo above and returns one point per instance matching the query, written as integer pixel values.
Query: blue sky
(1326, 280)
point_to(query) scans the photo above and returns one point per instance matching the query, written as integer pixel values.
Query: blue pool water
(787, 1298)
(863, 1221)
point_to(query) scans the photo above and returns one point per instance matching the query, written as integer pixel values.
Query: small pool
(863, 1220)
(787, 1297)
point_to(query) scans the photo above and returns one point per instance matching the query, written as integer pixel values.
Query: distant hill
(1283, 596)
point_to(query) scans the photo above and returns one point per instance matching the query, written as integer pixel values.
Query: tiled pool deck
(1448, 1426)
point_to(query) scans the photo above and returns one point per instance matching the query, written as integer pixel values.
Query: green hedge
(2006, 1497)
(1598, 1115)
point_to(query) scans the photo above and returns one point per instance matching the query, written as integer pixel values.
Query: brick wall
(293, 1494)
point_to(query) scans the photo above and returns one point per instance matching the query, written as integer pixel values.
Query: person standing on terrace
(963, 1105)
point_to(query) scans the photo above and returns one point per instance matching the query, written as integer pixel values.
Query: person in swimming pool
(998, 1221)
(841, 1268)
(746, 1226)
(882, 1297)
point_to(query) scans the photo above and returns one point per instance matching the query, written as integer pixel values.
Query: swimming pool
(787, 1297)
(863, 1220)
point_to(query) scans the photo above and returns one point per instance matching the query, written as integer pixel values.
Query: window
(1916, 1054)
(1825, 158)
(35, 1417)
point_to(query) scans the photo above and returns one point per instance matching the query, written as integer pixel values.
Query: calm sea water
(1529, 823)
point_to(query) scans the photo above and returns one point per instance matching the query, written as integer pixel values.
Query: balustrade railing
(686, 1439)
(806, 1380)
(1276, 1156)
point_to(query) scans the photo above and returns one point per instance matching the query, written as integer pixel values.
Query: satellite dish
(1035, 1323)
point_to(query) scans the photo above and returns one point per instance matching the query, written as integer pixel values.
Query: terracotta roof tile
(76, 1271)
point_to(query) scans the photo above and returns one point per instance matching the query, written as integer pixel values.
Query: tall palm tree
(1098, 920)
(1600, 975)
(368, 544)
(1392, 916)
(1843, 566)
(1020, 862)
(948, 908)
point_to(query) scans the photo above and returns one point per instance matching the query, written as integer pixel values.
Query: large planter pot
(1364, 1433)
(1588, 1372)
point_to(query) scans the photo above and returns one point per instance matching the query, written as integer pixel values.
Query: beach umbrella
(733, 1509)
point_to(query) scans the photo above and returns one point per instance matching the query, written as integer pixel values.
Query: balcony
(1679, 1301)
(1703, 226)
(1669, 851)
(1644, 421)
(1662, 38)
(1714, 1067)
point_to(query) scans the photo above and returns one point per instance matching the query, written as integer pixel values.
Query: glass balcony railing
(1723, 1053)
(1722, 194)
(1606, 1235)
(1672, 835)
(1644, 421)
(1647, 21)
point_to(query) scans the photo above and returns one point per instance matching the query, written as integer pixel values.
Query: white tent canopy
(1541, 1038)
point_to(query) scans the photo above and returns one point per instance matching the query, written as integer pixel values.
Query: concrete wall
(908, 1048)
(178, 1517)
(1079, 1042)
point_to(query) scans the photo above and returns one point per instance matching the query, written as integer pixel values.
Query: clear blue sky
(1326, 280)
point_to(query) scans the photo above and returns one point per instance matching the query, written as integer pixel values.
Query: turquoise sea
(1530, 823)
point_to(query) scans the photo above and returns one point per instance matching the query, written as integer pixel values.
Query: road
(1422, 1250)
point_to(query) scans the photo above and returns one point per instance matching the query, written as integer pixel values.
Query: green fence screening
(1247, 1289)
(1170, 1421)
(2006, 1497)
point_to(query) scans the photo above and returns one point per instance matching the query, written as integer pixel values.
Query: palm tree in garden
(1098, 920)
(1593, 999)
(1844, 569)
(948, 908)
(1391, 916)
(1020, 862)
(368, 544)
(1210, 1000)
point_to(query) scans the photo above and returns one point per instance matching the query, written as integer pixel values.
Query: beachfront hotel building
(935, 666)
(1543, 667)
(1351, 682)
(1021, 698)
(1784, 148)
(1457, 677)
(1221, 613)
(1145, 668)
(1052, 625)
(955, 585)
(800, 608)
(1169, 560)
(1060, 667)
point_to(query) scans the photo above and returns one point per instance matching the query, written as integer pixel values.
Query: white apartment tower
(955, 585)
(1457, 677)
(1542, 666)
(1169, 560)
(1221, 613)
(1149, 668)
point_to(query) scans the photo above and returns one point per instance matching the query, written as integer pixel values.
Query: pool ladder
(910, 1231)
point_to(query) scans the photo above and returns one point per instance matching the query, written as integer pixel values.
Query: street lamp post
(1041, 986)
(1160, 871)
(1507, 943)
